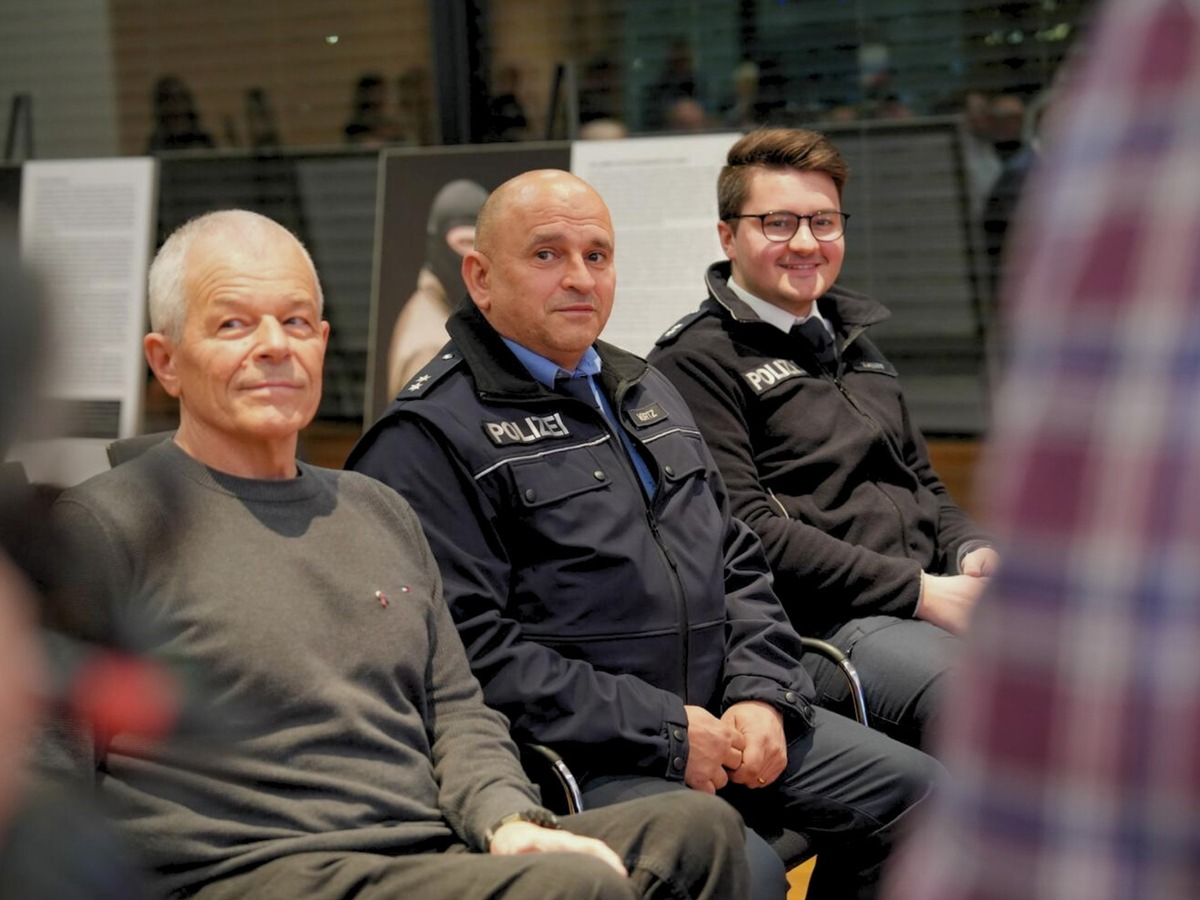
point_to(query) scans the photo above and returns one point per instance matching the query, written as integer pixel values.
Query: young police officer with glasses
(808, 425)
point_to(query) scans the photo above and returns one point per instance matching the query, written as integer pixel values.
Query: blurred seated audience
(603, 130)
(369, 123)
(418, 119)
(177, 124)
(983, 163)
(686, 115)
(676, 81)
(1006, 115)
(506, 114)
(262, 129)
(743, 111)
(1006, 192)
(600, 90)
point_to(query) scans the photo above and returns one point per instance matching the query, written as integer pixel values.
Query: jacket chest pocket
(679, 455)
(876, 393)
(558, 477)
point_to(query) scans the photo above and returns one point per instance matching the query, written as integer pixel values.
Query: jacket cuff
(676, 734)
(795, 702)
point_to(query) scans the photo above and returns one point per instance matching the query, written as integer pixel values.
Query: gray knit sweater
(312, 609)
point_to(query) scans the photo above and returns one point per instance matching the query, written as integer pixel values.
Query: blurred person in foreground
(359, 758)
(53, 843)
(610, 603)
(23, 677)
(1073, 732)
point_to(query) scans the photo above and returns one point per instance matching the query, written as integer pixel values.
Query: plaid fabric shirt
(1072, 729)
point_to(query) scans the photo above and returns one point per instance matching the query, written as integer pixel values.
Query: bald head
(207, 233)
(527, 189)
(542, 268)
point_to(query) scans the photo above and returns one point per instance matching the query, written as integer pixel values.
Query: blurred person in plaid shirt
(1073, 731)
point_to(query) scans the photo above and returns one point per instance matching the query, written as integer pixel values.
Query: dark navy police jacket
(590, 614)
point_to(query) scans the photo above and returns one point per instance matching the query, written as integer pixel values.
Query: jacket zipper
(652, 522)
(880, 433)
(680, 602)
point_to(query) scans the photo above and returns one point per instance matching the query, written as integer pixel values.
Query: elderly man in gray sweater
(358, 757)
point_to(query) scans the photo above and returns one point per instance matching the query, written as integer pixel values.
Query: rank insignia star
(416, 385)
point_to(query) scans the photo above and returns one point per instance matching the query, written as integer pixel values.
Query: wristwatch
(535, 816)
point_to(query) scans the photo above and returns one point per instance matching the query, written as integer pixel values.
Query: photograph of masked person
(420, 328)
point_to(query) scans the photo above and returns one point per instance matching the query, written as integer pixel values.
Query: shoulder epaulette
(675, 330)
(437, 369)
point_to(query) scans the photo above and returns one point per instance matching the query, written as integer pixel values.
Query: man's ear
(476, 274)
(725, 233)
(160, 354)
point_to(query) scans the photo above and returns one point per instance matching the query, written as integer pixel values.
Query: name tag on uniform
(528, 430)
(869, 365)
(772, 373)
(648, 415)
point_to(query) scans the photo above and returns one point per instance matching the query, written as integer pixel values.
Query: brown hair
(779, 148)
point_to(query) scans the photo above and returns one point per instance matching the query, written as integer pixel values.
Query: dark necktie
(816, 337)
(580, 388)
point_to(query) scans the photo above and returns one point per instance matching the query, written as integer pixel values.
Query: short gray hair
(167, 298)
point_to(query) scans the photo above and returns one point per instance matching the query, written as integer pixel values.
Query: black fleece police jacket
(827, 467)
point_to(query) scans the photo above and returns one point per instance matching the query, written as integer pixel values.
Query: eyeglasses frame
(762, 217)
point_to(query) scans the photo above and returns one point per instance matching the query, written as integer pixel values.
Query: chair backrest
(125, 449)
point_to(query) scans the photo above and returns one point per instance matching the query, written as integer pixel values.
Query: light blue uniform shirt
(547, 372)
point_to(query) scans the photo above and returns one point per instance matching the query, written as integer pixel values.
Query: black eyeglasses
(782, 225)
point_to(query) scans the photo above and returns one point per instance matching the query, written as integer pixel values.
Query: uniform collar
(496, 369)
(547, 371)
(840, 306)
(774, 315)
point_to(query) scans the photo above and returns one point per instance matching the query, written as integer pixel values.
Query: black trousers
(902, 664)
(684, 846)
(847, 788)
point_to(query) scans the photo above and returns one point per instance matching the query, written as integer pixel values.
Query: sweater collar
(282, 490)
